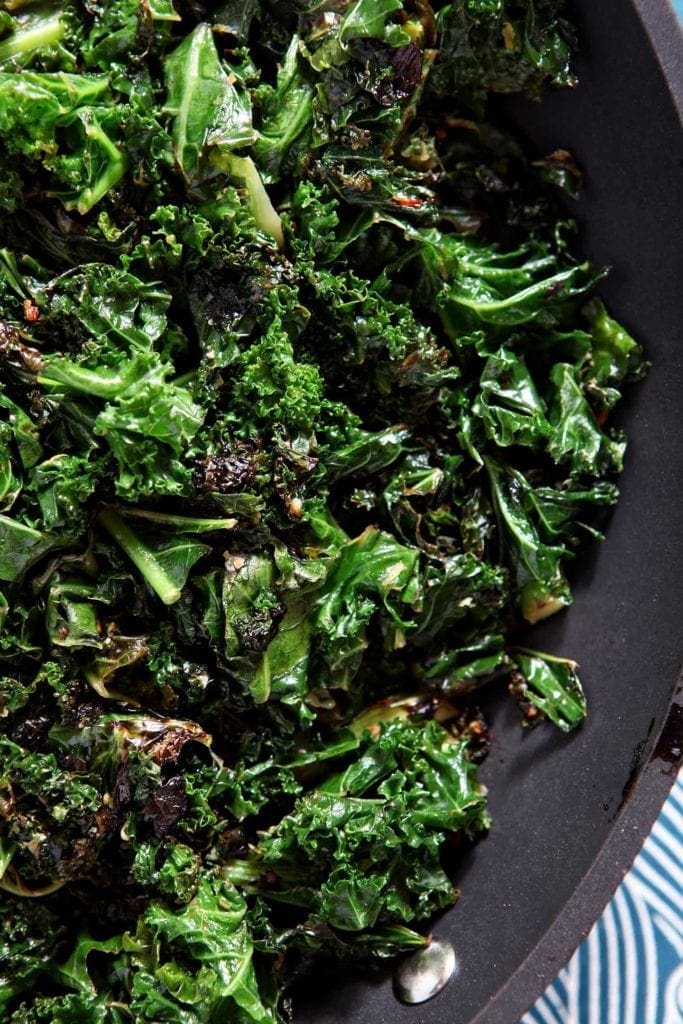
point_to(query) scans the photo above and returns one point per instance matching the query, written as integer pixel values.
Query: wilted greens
(304, 410)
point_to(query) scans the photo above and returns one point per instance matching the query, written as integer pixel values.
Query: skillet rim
(648, 791)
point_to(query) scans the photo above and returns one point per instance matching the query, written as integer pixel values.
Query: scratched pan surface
(569, 814)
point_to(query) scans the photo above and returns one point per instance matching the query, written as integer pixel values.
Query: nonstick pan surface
(570, 813)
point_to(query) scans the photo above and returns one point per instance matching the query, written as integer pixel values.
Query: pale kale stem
(117, 166)
(44, 32)
(150, 567)
(186, 524)
(263, 211)
(100, 383)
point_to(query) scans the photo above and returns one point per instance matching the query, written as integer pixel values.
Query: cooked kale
(304, 409)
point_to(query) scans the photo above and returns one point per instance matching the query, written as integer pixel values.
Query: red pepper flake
(408, 201)
(31, 312)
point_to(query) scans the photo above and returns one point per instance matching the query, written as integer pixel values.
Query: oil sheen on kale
(305, 408)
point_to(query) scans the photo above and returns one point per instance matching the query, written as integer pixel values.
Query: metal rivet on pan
(424, 973)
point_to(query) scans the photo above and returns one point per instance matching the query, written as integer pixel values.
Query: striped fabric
(630, 968)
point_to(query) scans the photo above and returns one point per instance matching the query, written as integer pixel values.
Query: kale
(305, 409)
(363, 848)
(494, 46)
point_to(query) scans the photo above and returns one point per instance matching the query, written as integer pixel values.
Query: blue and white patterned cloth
(630, 968)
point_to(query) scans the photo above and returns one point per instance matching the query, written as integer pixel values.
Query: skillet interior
(569, 814)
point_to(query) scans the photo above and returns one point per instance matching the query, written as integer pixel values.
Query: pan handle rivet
(424, 973)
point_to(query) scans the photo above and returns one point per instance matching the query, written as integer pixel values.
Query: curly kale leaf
(576, 437)
(211, 119)
(120, 27)
(49, 828)
(475, 284)
(550, 685)
(116, 382)
(363, 848)
(508, 403)
(213, 935)
(279, 613)
(615, 356)
(164, 562)
(286, 118)
(40, 38)
(274, 387)
(30, 936)
(372, 571)
(64, 121)
(496, 46)
(20, 547)
(52, 100)
(329, 44)
(199, 957)
(209, 111)
(537, 565)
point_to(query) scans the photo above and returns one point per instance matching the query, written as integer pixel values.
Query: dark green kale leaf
(209, 112)
(491, 46)
(212, 932)
(329, 40)
(372, 571)
(31, 934)
(551, 685)
(212, 118)
(576, 436)
(41, 38)
(20, 547)
(286, 118)
(363, 848)
(66, 122)
(540, 583)
(124, 26)
(474, 284)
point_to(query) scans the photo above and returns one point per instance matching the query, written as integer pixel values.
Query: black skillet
(570, 814)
